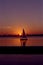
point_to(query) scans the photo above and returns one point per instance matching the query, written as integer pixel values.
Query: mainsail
(23, 34)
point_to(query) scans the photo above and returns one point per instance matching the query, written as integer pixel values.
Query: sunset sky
(18, 14)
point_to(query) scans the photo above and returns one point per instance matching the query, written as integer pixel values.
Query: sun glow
(19, 31)
(20, 34)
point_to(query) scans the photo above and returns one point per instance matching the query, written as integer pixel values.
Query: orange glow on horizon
(20, 34)
(19, 30)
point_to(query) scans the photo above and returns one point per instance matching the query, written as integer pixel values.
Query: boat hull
(23, 39)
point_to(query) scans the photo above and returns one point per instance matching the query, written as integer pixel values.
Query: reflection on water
(23, 42)
(32, 41)
(10, 42)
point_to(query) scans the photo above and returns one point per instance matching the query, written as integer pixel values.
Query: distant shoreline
(31, 35)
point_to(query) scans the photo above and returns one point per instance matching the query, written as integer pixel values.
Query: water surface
(32, 41)
(6, 59)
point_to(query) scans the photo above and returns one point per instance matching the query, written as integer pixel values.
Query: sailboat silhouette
(23, 36)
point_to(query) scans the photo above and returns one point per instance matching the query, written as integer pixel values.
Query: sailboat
(23, 37)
